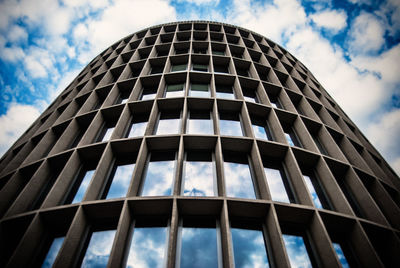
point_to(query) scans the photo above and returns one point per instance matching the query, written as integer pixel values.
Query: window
(198, 245)
(249, 247)
(148, 246)
(319, 145)
(239, 182)
(120, 180)
(169, 123)
(156, 69)
(297, 251)
(81, 185)
(250, 95)
(99, 249)
(105, 134)
(199, 50)
(224, 92)
(221, 69)
(278, 185)
(200, 67)
(175, 90)
(159, 175)
(53, 252)
(218, 52)
(199, 90)
(200, 122)
(340, 255)
(229, 124)
(137, 129)
(291, 136)
(316, 192)
(148, 93)
(242, 72)
(178, 67)
(275, 102)
(261, 129)
(199, 178)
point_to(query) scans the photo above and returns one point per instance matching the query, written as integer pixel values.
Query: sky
(352, 47)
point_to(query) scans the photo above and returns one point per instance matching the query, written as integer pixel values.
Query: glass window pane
(120, 181)
(175, 90)
(99, 249)
(53, 252)
(83, 186)
(178, 67)
(249, 248)
(340, 255)
(261, 133)
(147, 247)
(137, 129)
(296, 250)
(238, 180)
(159, 178)
(276, 185)
(199, 179)
(224, 92)
(107, 134)
(289, 139)
(200, 124)
(199, 248)
(230, 128)
(200, 67)
(199, 90)
(312, 191)
(168, 126)
(150, 96)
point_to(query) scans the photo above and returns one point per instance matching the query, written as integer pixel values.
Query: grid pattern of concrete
(212, 71)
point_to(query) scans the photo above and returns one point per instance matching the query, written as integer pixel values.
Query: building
(197, 143)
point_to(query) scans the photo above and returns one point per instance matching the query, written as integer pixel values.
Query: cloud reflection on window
(297, 252)
(53, 252)
(84, 185)
(276, 185)
(249, 248)
(200, 124)
(159, 178)
(99, 249)
(148, 247)
(230, 128)
(137, 129)
(199, 179)
(199, 248)
(312, 191)
(340, 255)
(120, 181)
(238, 180)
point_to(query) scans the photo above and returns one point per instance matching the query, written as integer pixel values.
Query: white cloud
(366, 34)
(17, 33)
(14, 123)
(334, 20)
(201, 2)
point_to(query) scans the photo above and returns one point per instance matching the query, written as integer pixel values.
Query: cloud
(334, 20)
(14, 123)
(366, 34)
(201, 2)
(17, 33)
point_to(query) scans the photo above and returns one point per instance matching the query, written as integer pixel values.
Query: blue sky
(352, 47)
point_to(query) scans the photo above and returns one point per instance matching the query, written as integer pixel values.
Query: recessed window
(316, 192)
(53, 252)
(249, 248)
(275, 102)
(175, 90)
(291, 136)
(218, 52)
(82, 183)
(120, 180)
(199, 178)
(200, 67)
(148, 93)
(242, 72)
(156, 69)
(199, 90)
(137, 129)
(198, 246)
(238, 180)
(342, 258)
(278, 185)
(297, 251)
(200, 122)
(250, 95)
(199, 50)
(221, 69)
(261, 129)
(169, 123)
(99, 249)
(178, 67)
(148, 246)
(319, 145)
(159, 174)
(229, 124)
(105, 134)
(224, 92)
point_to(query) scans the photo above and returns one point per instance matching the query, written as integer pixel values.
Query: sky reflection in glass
(168, 126)
(249, 248)
(289, 139)
(147, 247)
(230, 127)
(340, 255)
(159, 178)
(199, 248)
(297, 252)
(99, 249)
(107, 134)
(53, 252)
(260, 132)
(200, 90)
(200, 126)
(199, 179)
(238, 180)
(137, 129)
(276, 185)
(120, 181)
(312, 191)
(82, 188)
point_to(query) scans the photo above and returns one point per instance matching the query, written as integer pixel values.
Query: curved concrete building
(196, 144)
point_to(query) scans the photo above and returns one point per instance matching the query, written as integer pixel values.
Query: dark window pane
(53, 252)
(175, 90)
(340, 255)
(178, 67)
(200, 67)
(199, 90)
